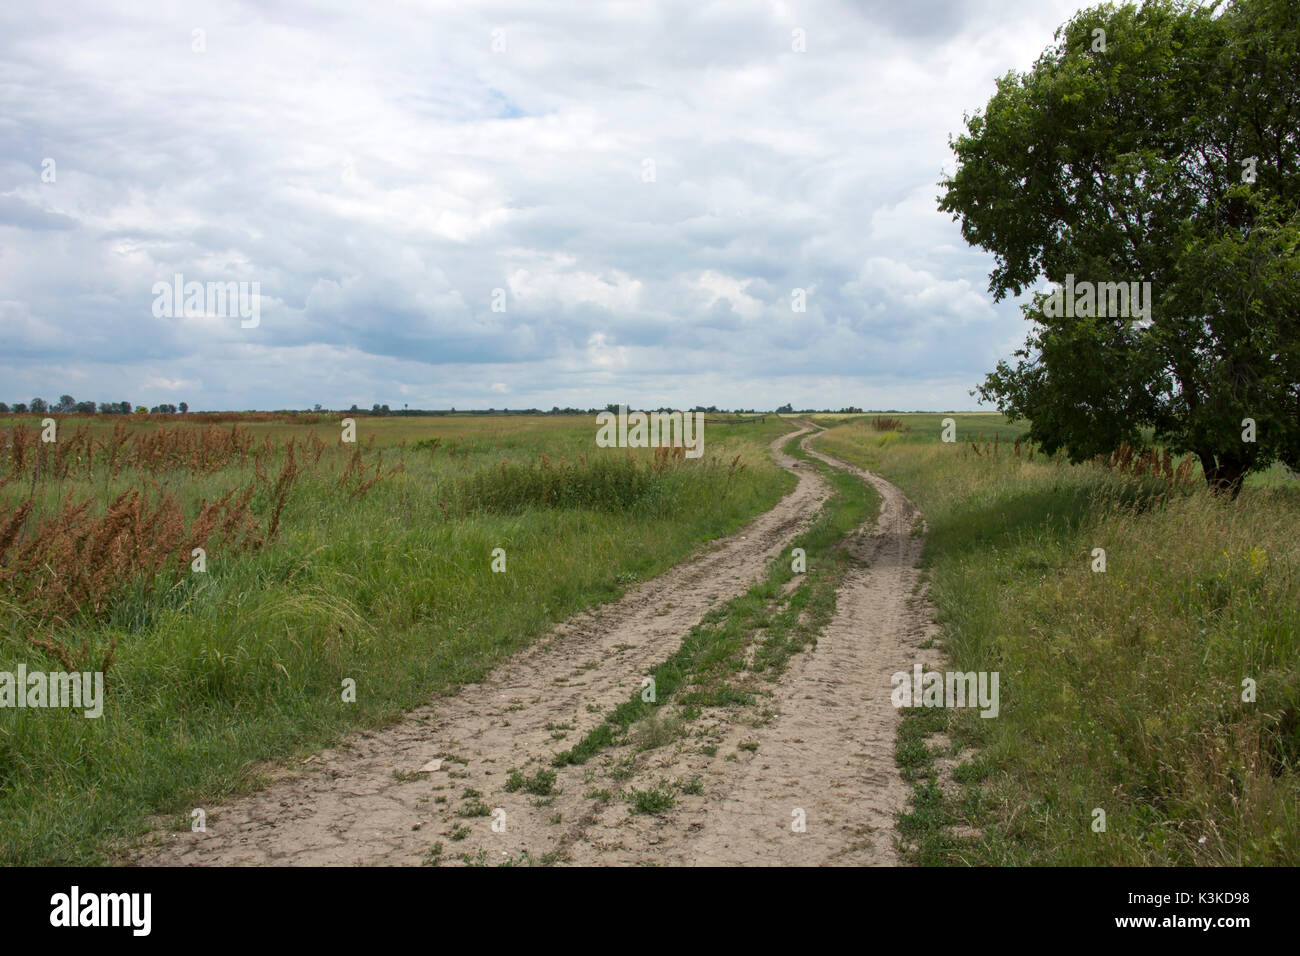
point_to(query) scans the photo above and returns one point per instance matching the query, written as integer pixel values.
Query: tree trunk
(1223, 473)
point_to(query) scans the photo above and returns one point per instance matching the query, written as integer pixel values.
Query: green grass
(245, 664)
(1119, 690)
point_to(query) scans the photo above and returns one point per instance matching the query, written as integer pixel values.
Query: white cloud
(715, 286)
(554, 283)
(603, 356)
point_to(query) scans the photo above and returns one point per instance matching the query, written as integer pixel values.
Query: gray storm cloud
(512, 205)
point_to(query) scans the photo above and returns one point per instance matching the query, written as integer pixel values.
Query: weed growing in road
(657, 800)
(539, 784)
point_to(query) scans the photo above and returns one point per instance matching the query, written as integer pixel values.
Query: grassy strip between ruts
(1163, 692)
(699, 674)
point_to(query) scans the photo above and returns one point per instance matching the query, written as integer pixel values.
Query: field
(325, 562)
(1126, 691)
(1149, 707)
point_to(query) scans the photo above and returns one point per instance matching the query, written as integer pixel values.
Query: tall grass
(1120, 691)
(608, 483)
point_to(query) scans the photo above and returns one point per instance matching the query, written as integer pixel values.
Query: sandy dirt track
(826, 747)
(827, 753)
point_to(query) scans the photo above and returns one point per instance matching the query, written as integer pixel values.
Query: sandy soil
(824, 738)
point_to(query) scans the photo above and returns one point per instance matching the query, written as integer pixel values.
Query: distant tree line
(67, 405)
(378, 409)
(788, 409)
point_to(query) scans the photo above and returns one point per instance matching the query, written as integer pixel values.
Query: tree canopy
(1149, 144)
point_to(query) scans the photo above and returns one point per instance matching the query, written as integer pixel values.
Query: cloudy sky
(514, 205)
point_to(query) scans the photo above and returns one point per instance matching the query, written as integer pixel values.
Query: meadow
(1164, 691)
(372, 562)
(323, 562)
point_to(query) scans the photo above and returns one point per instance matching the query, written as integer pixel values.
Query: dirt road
(825, 746)
(825, 757)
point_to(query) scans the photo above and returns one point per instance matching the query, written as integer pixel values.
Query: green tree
(1130, 160)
